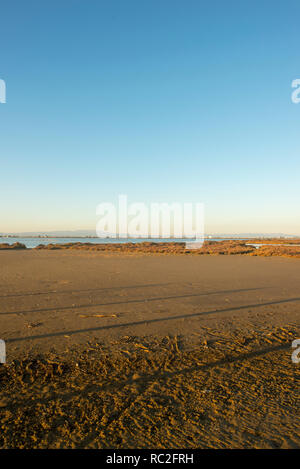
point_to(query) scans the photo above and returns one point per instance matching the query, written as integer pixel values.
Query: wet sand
(130, 350)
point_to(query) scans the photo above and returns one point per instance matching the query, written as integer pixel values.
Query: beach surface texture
(133, 349)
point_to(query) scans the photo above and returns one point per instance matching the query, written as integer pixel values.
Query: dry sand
(114, 350)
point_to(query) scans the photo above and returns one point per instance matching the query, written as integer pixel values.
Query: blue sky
(165, 101)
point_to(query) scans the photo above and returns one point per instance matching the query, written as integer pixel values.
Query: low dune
(227, 247)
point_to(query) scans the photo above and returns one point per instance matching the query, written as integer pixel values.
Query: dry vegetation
(274, 241)
(283, 251)
(12, 246)
(209, 247)
(228, 247)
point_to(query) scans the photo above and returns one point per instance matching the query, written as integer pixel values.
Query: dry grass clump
(283, 251)
(274, 241)
(228, 247)
(209, 247)
(144, 247)
(12, 246)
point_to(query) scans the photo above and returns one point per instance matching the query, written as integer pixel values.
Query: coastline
(271, 247)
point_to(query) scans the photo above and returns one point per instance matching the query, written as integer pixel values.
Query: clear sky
(162, 100)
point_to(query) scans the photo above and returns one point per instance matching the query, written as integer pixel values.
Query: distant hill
(92, 233)
(56, 234)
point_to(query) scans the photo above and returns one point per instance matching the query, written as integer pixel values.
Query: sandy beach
(129, 350)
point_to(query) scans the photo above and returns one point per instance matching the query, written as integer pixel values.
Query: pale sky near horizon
(162, 100)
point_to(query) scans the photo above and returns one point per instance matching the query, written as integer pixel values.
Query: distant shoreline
(207, 238)
(254, 247)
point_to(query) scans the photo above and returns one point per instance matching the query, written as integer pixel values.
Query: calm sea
(33, 242)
